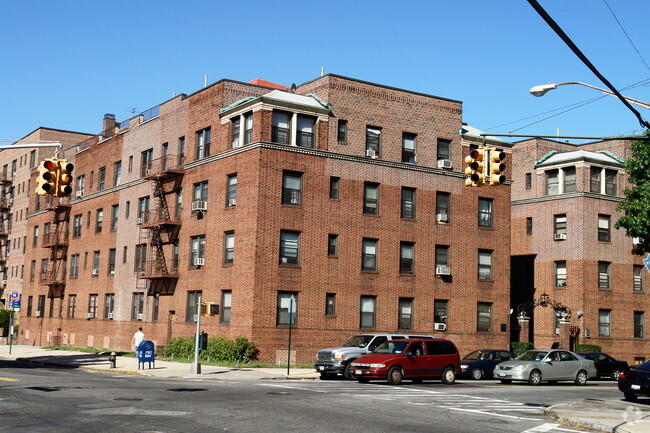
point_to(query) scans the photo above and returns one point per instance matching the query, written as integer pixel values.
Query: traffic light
(497, 167)
(475, 167)
(209, 309)
(64, 179)
(47, 177)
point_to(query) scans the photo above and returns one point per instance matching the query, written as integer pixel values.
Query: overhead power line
(628, 36)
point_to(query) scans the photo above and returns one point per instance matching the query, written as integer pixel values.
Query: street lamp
(542, 89)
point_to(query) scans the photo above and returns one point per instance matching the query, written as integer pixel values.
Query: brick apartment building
(566, 255)
(338, 207)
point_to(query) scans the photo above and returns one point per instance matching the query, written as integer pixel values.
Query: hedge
(582, 348)
(219, 349)
(520, 347)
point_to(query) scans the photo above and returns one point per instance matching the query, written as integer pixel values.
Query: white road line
(548, 427)
(490, 413)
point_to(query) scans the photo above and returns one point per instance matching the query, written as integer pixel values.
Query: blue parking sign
(646, 262)
(14, 295)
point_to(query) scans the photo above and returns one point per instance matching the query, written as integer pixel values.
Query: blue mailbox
(146, 353)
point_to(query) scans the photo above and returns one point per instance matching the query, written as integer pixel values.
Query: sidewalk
(605, 416)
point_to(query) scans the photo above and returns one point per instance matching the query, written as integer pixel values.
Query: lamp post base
(196, 368)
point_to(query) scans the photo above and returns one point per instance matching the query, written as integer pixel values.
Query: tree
(636, 206)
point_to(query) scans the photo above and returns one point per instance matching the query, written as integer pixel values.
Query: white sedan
(534, 366)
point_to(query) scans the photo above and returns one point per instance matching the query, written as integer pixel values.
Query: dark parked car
(480, 363)
(605, 364)
(409, 359)
(635, 382)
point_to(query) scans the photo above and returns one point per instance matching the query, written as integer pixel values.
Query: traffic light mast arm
(28, 145)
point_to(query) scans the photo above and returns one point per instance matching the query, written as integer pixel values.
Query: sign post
(14, 303)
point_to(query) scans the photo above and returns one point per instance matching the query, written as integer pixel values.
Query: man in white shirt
(138, 338)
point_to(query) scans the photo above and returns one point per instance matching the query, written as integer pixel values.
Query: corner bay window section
(369, 255)
(371, 198)
(280, 132)
(287, 307)
(289, 247)
(367, 312)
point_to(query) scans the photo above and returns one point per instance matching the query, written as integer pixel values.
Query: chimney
(108, 126)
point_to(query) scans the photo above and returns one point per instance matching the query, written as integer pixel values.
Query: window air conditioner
(443, 270)
(284, 260)
(371, 153)
(442, 217)
(140, 273)
(444, 163)
(110, 316)
(232, 202)
(11, 200)
(95, 272)
(559, 236)
(80, 194)
(139, 221)
(198, 205)
(140, 316)
(440, 326)
(199, 261)
(38, 314)
(637, 241)
(4, 282)
(89, 315)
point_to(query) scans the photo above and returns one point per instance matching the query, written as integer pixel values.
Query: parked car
(414, 359)
(336, 360)
(534, 366)
(606, 365)
(635, 382)
(480, 364)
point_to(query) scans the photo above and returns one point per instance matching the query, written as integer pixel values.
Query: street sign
(646, 262)
(14, 295)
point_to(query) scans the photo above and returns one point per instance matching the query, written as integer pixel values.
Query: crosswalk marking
(9, 379)
(549, 427)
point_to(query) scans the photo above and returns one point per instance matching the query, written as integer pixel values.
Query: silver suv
(337, 360)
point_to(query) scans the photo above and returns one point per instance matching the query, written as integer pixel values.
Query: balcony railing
(160, 216)
(164, 164)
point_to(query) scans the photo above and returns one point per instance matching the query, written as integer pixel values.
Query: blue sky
(64, 64)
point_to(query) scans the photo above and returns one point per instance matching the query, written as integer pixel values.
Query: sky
(64, 64)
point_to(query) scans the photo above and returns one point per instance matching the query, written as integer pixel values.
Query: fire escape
(6, 200)
(56, 240)
(159, 227)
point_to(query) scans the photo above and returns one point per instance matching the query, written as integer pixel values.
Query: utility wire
(628, 37)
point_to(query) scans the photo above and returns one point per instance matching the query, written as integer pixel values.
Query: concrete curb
(550, 412)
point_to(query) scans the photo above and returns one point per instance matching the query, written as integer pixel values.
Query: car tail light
(622, 375)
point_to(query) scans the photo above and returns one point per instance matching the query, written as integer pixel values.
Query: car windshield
(391, 347)
(644, 366)
(477, 355)
(532, 355)
(358, 341)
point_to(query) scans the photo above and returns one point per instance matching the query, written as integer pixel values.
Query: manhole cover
(127, 399)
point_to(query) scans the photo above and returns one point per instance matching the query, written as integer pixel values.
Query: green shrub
(520, 347)
(219, 349)
(5, 318)
(581, 348)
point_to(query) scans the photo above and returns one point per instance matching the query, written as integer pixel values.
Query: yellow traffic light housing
(497, 167)
(47, 177)
(64, 179)
(209, 309)
(475, 169)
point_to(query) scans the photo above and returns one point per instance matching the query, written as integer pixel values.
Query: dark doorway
(522, 290)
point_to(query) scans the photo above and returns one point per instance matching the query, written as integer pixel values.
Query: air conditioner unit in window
(11, 200)
(80, 194)
(442, 217)
(4, 282)
(371, 153)
(559, 236)
(284, 260)
(198, 205)
(38, 314)
(199, 261)
(637, 241)
(440, 326)
(95, 272)
(89, 315)
(443, 270)
(139, 221)
(232, 202)
(110, 316)
(444, 163)
(140, 273)
(140, 316)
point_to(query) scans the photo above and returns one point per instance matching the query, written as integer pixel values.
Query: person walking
(138, 338)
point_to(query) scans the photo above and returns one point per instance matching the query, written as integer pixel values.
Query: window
(40, 308)
(140, 258)
(93, 305)
(332, 245)
(32, 271)
(200, 192)
(408, 203)
(330, 304)
(603, 275)
(155, 307)
(342, 131)
(101, 185)
(603, 228)
(529, 225)
(248, 128)
(367, 312)
(109, 305)
(231, 190)
(137, 306)
(443, 149)
(442, 207)
(235, 127)
(406, 258)
(74, 265)
(610, 182)
(560, 274)
(192, 301)
(81, 183)
(99, 220)
(143, 209)
(334, 187)
(181, 151)
(287, 307)
(292, 188)
(289, 247)
(72, 305)
(226, 302)
(442, 256)
(560, 224)
(197, 250)
(569, 179)
(179, 203)
(202, 143)
(484, 265)
(369, 255)
(373, 141)
(115, 213)
(405, 313)
(305, 137)
(229, 248)
(485, 212)
(529, 180)
(408, 147)
(595, 179)
(76, 228)
(604, 323)
(111, 261)
(639, 324)
(552, 186)
(440, 311)
(146, 158)
(35, 242)
(484, 317)
(96, 258)
(637, 278)
(32, 159)
(371, 198)
(117, 173)
(280, 132)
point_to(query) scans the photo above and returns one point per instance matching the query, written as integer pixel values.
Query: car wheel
(535, 377)
(581, 378)
(448, 376)
(615, 374)
(629, 396)
(506, 381)
(395, 375)
(346, 372)
(477, 374)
